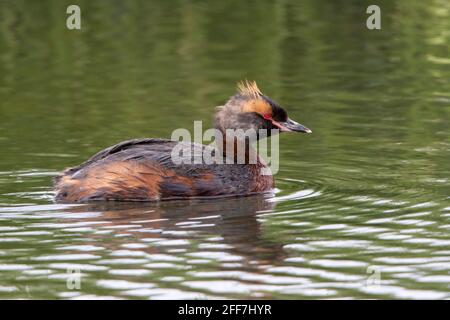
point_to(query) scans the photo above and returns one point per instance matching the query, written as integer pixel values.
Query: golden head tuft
(248, 88)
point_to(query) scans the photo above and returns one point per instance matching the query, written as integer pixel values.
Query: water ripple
(315, 241)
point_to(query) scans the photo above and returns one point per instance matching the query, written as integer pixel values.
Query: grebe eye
(267, 116)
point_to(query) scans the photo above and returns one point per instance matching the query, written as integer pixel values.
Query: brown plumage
(143, 170)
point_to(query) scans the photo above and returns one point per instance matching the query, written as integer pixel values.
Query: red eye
(267, 116)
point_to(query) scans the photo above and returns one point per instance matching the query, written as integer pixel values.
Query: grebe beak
(291, 126)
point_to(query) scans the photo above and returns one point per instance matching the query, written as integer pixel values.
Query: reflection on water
(297, 245)
(362, 206)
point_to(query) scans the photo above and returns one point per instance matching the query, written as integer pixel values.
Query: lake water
(361, 207)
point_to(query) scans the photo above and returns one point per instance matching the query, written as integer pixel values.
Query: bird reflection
(231, 221)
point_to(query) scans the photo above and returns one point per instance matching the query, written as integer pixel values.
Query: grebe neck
(236, 150)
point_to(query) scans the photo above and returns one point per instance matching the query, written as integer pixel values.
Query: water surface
(362, 206)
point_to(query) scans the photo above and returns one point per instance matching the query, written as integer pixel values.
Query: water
(362, 206)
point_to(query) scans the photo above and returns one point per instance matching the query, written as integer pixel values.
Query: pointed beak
(291, 126)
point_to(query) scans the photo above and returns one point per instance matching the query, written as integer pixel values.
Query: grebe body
(143, 170)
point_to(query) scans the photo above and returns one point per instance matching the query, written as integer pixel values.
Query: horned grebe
(143, 170)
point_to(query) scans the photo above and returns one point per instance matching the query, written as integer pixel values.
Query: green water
(362, 206)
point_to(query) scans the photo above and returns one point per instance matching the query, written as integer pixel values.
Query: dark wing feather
(117, 148)
(124, 145)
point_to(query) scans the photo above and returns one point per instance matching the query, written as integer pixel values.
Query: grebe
(143, 169)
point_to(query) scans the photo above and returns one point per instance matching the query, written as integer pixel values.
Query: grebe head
(249, 108)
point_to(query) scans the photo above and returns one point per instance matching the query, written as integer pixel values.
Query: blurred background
(369, 187)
